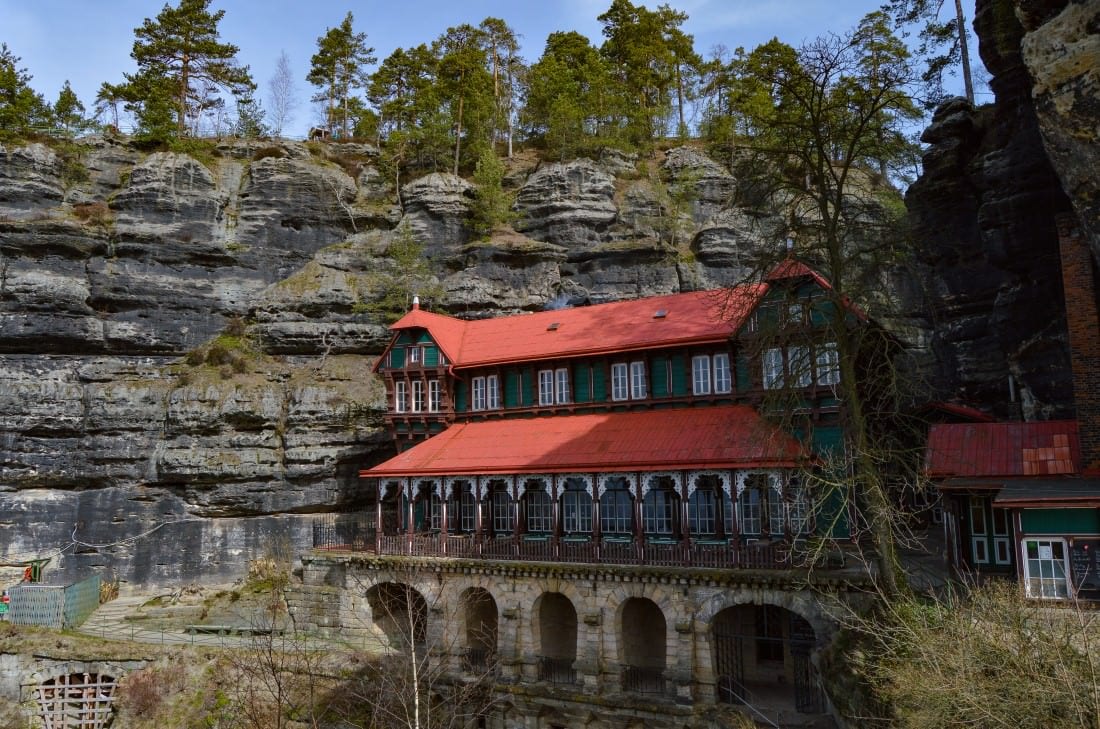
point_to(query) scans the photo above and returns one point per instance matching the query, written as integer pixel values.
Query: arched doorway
(481, 629)
(557, 624)
(762, 657)
(643, 637)
(400, 612)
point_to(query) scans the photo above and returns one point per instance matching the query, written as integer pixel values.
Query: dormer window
(414, 355)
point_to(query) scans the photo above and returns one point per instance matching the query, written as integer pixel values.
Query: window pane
(700, 375)
(479, 393)
(618, 381)
(418, 396)
(722, 380)
(616, 509)
(399, 396)
(798, 363)
(492, 387)
(702, 511)
(433, 396)
(561, 390)
(576, 509)
(539, 510)
(828, 364)
(773, 368)
(637, 380)
(546, 387)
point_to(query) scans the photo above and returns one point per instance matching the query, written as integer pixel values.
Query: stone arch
(661, 596)
(643, 646)
(555, 617)
(480, 626)
(400, 612)
(801, 603)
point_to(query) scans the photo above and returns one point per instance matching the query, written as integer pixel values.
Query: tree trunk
(964, 52)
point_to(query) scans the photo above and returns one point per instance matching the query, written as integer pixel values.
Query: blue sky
(89, 41)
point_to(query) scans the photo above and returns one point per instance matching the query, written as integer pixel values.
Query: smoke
(561, 301)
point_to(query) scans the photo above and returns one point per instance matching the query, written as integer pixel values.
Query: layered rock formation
(983, 218)
(185, 344)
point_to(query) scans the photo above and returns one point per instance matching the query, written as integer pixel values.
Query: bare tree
(282, 95)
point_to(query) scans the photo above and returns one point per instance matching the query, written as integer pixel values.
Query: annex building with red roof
(1022, 499)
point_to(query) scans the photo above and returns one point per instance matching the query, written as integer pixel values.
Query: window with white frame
(433, 396)
(619, 381)
(1045, 568)
(638, 389)
(417, 396)
(616, 508)
(576, 507)
(414, 355)
(502, 511)
(703, 512)
(658, 507)
(477, 387)
(561, 385)
(546, 387)
(798, 366)
(539, 508)
(700, 375)
(723, 382)
(400, 396)
(828, 364)
(492, 392)
(773, 368)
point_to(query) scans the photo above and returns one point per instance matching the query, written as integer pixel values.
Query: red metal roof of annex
(698, 317)
(718, 437)
(1003, 450)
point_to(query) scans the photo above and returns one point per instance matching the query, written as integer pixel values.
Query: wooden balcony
(546, 549)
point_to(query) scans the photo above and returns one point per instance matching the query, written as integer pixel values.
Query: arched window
(709, 512)
(617, 508)
(760, 506)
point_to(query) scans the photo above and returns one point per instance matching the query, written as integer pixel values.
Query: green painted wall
(404, 338)
(1061, 521)
(425, 338)
(460, 397)
(397, 357)
(431, 356)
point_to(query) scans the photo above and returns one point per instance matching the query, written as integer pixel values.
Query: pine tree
(338, 68)
(250, 118)
(466, 87)
(181, 46)
(68, 110)
(21, 108)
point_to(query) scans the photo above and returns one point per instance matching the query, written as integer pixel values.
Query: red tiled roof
(725, 436)
(794, 268)
(622, 326)
(991, 450)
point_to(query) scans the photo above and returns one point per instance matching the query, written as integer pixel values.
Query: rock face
(186, 344)
(983, 218)
(1062, 52)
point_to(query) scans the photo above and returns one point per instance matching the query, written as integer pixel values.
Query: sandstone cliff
(185, 344)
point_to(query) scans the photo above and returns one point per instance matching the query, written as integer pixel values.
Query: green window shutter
(431, 356)
(580, 382)
(660, 377)
(528, 389)
(397, 357)
(460, 396)
(744, 373)
(833, 515)
(599, 382)
(512, 383)
(679, 375)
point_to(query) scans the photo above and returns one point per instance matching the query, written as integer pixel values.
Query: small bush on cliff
(272, 151)
(491, 206)
(231, 352)
(94, 213)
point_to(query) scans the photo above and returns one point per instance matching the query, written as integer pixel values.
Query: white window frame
(723, 378)
(772, 362)
(658, 508)
(799, 367)
(827, 363)
(417, 396)
(502, 512)
(546, 387)
(492, 392)
(540, 511)
(400, 396)
(1046, 586)
(576, 511)
(703, 512)
(414, 355)
(638, 381)
(433, 396)
(477, 393)
(616, 517)
(700, 374)
(619, 381)
(561, 386)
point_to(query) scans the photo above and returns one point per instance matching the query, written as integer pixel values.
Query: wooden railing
(546, 549)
